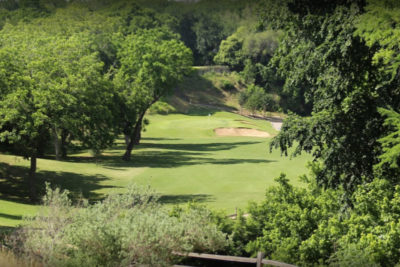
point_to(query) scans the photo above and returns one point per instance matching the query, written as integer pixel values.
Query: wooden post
(260, 256)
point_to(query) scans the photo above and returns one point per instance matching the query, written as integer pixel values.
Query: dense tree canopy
(247, 43)
(379, 25)
(324, 62)
(390, 157)
(63, 90)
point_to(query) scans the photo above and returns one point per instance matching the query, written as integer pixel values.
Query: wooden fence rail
(259, 261)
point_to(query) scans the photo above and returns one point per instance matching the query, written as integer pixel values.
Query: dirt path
(276, 122)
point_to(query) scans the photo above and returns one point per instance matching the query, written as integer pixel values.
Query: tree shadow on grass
(206, 109)
(171, 159)
(166, 155)
(185, 198)
(198, 147)
(162, 155)
(11, 217)
(14, 185)
(159, 139)
(119, 146)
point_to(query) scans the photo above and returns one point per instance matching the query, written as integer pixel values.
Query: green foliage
(245, 44)
(55, 84)
(373, 225)
(138, 15)
(379, 25)
(389, 159)
(204, 24)
(16, 101)
(124, 229)
(3, 17)
(288, 217)
(249, 51)
(162, 107)
(230, 52)
(307, 226)
(352, 256)
(227, 85)
(331, 69)
(255, 98)
(68, 90)
(208, 33)
(13, 12)
(151, 63)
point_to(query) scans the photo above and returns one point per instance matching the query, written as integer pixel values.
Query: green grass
(11, 213)
(179, 156)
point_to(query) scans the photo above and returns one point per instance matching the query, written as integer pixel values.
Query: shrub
(162, 107)
(310, 227)
(124, 229)
(227, 85)
(256, 99)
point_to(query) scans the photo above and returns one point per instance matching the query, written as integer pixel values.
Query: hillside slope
(209, 89)
(205, 89)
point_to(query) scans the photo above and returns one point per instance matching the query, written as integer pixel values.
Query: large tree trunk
(64, 136)
(56, 142)
(127, 139)
(132, 139)
(138, 134)
(32, 175)
(127, 133)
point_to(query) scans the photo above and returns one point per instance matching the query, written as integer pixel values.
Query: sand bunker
(240, 132)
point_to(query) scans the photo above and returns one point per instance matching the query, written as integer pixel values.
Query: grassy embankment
(180, 156)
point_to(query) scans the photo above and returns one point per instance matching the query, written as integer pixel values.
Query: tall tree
(151, 63)
(379, 26)
(62, 88)
(22, 127)
(323, 61)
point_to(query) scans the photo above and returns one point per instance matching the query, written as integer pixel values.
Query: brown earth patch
(245, 122)
(240, 132)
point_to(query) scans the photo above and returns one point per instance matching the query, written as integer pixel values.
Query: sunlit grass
(179, 156)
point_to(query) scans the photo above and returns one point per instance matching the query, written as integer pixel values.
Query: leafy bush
(162, 107)
(227, 85)
(124, 229)
(255, 98)
(247, 44)
(309, 227)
